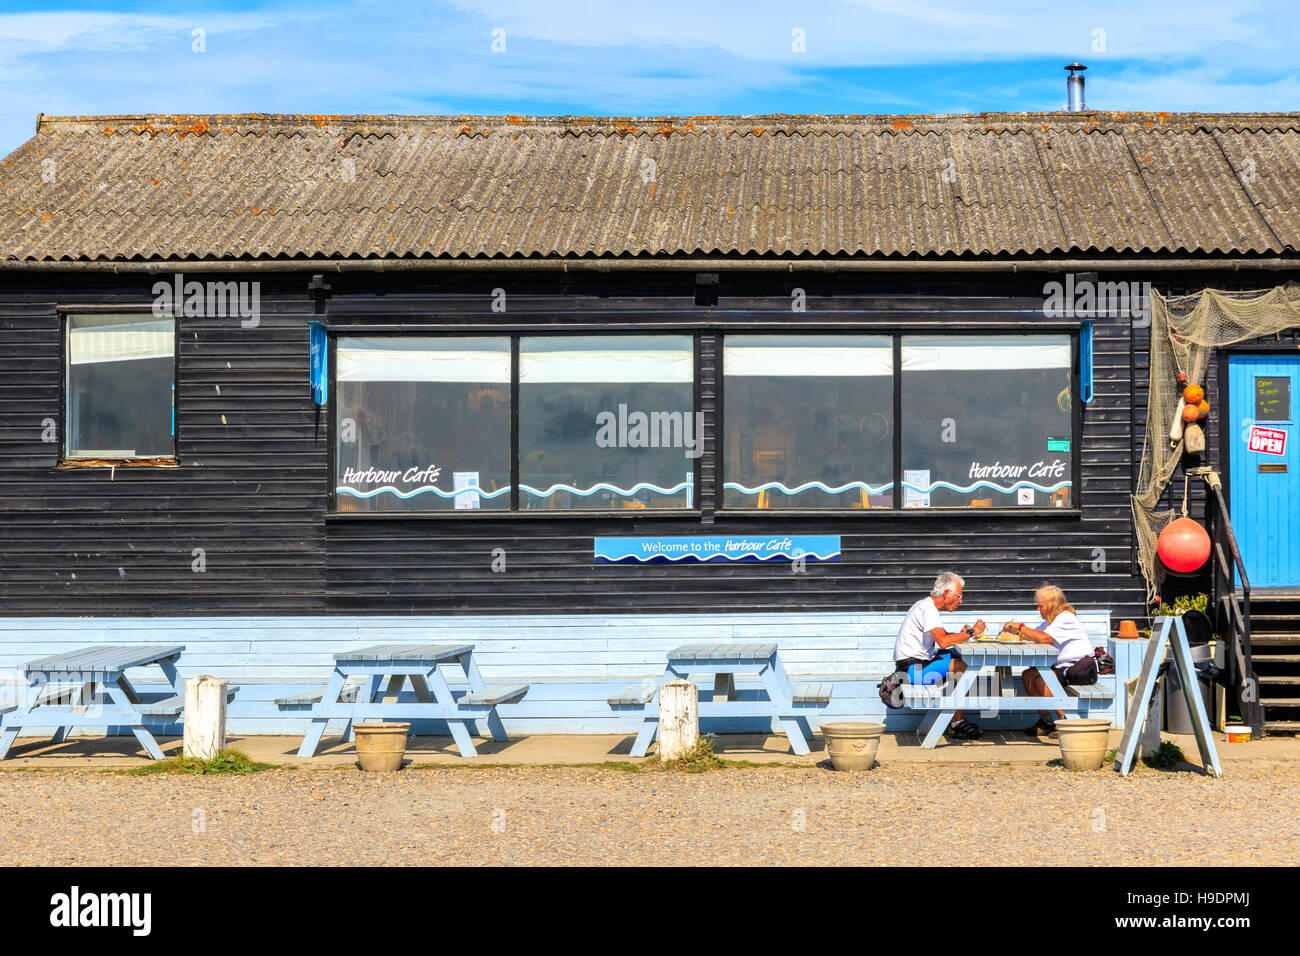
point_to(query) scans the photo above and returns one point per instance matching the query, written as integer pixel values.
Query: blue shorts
(929, 672)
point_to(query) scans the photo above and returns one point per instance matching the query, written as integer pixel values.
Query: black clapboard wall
(251, 489)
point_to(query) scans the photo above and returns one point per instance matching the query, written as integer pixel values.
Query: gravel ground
(586, 815)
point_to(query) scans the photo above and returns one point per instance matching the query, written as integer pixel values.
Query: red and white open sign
(1269, 441)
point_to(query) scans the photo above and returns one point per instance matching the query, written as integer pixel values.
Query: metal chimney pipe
(1074, 89)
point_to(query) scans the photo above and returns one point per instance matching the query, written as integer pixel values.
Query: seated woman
(1075, 663)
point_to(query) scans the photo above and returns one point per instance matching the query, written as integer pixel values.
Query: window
(986, 421)
(120, 387)
(424, 424)
(808, 421)
(607, 422)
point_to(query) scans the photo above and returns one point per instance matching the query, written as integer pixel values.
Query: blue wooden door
(1264, 399)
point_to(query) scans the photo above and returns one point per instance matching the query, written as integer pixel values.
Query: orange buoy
(1191, 413)
(1183, 546)
(1203, 409)
(1193, 394)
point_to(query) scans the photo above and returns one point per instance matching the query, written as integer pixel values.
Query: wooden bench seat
(635, 695)
(172, 706)
(494, 695)
(348, 696)
(935, 696)
(812, 692)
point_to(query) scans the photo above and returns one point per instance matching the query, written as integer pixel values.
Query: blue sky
(638, 58)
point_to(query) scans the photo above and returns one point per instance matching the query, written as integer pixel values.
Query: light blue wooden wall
(575, 661)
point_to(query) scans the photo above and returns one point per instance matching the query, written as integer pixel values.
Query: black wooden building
(855, 308)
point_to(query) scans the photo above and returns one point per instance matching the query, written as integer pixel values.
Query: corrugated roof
(988, 185)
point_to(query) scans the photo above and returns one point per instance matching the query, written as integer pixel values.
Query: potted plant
(381, 746)
(851, 745)
(1084, 741)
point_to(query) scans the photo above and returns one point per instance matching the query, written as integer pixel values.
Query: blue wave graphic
(858, 485)
(988, 484)
(602, 486)
(344, 489)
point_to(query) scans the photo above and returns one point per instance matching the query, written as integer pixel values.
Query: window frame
(514, 511)
(1074, 509)
(706, 510)
(65, 314)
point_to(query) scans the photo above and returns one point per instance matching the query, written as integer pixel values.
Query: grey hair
(946, 581)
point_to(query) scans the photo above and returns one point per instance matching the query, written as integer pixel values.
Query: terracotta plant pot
(1084, 742)
(380, 746)
(852, 746)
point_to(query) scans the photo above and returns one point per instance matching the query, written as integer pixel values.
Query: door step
(1282, 725)
(1290, 658)
(1270, 679)
(1279, 638)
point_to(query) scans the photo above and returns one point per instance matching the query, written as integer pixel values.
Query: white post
(205, 717)
(679, 718)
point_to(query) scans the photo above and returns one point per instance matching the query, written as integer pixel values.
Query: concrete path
(101, 753)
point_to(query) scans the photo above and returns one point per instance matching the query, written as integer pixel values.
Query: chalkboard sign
(1273, 399)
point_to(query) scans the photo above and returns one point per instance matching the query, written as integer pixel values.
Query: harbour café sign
(796, 547)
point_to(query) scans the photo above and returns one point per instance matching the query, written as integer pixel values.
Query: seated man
(922, 632)
(1075, 664)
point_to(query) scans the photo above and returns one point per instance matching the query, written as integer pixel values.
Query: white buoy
(679, 718)
(205, 717)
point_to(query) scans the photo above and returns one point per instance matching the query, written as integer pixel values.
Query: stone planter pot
(1084, 742)
(380, 746)
(852, 746)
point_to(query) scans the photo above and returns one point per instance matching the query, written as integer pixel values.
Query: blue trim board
(703, 548)
(573, 662)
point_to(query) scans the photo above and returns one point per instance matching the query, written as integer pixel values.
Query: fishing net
(1184, 332)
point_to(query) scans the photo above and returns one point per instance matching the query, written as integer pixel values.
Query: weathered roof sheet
(988, 185)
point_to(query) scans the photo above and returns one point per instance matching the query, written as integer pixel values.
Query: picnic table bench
(784, 704)
(393, 665)
(67, 690)
(943, 699)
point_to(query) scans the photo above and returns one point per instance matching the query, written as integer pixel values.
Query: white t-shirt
(914, 637)
(1070, 636)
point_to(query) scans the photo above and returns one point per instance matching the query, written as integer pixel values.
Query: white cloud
(887, 33)
(677, 56)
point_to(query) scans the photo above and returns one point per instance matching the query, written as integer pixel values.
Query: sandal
(964, 730)
(1044, 728)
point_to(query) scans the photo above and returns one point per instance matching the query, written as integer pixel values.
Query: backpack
(1105, 663)
(891, 689)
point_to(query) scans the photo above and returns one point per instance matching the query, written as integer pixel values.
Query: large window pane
(607, 422)
(987, 421)
(120, 393)
(808, 421)
(424, 424)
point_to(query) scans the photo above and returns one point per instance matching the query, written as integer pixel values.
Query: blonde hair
(1055, 600)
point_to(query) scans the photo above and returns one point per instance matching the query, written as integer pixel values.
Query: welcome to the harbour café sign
(703, 548)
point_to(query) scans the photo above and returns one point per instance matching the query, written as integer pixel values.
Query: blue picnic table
(69, 690)
(787, 706)
(943, 699)
(393, 665)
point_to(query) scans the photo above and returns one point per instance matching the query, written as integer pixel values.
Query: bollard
(679, 718)
(205, 717)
